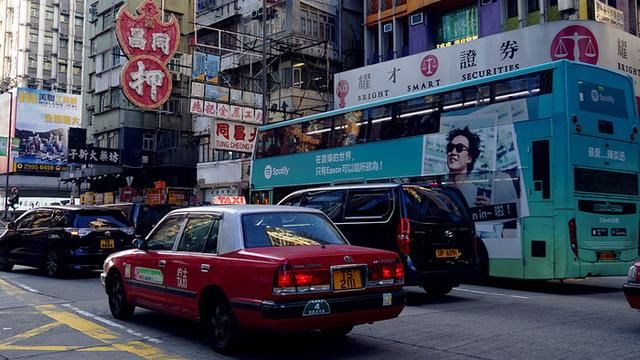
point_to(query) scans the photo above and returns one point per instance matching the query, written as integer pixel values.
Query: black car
(429, 226)
(59, 238)
(143, 217)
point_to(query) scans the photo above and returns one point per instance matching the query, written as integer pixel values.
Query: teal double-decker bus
(546, 157)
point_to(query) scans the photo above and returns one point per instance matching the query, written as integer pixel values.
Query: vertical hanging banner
(149, 43)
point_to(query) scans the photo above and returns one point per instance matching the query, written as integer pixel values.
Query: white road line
(107, 322)
(490, 293)
(25, 287)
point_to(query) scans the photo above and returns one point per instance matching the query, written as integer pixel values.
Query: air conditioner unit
(387, 27)
(45, 58)
(564, 5)
(64, 11)
(255, 13)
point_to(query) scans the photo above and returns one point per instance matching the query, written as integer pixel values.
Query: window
(48, 15)
(376, 204)
(33, 63)
(62, 68)
(541, 168)
(317, 23)
(195, 234)
(288, 229)
(25, 220)
(35, 11)
(33, 37)
(607, 182)
(316, 134)
(41, 219)
(148, 142)
(329, 202)
(116, 56)
(204, 150)
(64, 18)
(112, 139)
(533, 5)
(107, 20)
(47, 65)
(348, 129)
(211, 247)
(164, 237)
(77, 45)
(48, 38)
(77, 70)
(64, 43)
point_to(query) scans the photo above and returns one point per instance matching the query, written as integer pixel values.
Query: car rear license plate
(447, 253)
(347, 279)
(107, 244)
(606, 255)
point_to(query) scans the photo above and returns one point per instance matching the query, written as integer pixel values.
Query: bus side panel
(538, 247)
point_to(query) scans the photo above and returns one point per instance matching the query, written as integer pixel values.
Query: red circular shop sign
(146, 82)
(575, 42)
(429, 65)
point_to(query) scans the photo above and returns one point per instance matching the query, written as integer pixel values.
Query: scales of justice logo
(576, 43)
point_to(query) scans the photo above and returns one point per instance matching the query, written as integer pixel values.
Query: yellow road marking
(99, 348)
(10, 289)
(38, 348)
(76, 322)
(30, 333)
(146, 351)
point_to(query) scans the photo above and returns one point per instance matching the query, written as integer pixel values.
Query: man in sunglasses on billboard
(463, 149)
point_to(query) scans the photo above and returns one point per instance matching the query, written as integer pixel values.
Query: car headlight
(633, 273)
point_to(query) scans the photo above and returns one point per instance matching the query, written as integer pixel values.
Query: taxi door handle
(204, 268)
(162, 263)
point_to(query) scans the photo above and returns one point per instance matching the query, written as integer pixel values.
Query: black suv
(143, 217)
(429, 226)
(61, 238)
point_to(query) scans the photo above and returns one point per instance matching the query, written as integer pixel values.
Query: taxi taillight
(288, 281)
(386, 274)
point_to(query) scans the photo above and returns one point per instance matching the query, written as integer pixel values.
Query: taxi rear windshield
(288, 229)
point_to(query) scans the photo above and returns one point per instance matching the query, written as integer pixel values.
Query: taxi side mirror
(139, 243)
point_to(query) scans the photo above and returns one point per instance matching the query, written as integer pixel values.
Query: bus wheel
(436, 290)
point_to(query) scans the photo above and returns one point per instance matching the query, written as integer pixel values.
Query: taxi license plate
(447, 253)
(347, 279)
(107, 244)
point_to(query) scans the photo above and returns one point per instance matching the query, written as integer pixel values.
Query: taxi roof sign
(228, 200)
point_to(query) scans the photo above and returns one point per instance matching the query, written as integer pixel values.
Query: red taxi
(261, 267)
(631, 288)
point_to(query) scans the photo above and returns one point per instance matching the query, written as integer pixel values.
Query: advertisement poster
(199, 66)
(212, 92)
(213, 68)
(478, 154)
(43, 119)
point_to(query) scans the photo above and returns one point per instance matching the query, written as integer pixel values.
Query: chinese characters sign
(233, 136)
(149, 43)
(94, 155)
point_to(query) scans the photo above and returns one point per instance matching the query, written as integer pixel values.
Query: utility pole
(264, 62)
(6, 175)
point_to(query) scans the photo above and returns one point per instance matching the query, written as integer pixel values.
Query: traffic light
(14, 198)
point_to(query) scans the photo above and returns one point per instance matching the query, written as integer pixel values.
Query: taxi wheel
(5, 264)
(118, 304)
(222, 330)
(337, 332)
(54, 265)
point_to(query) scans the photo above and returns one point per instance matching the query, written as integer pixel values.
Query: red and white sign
(197, 106)
(146, 34)
(223, 111)
(146, 82)
(236, 113)
(228, 200)
(232, 136)
(210, 108)
(248, 115)
(150, 44)
(575, 43)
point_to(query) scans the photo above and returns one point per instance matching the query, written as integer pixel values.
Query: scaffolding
(241, 67)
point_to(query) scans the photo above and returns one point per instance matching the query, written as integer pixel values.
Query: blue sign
(601, 99)
(213, 67)
(199, 65)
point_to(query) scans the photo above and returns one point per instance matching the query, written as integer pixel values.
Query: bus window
(419, 116)
(378, 118)
(266, 144)
(289, 139)
(348, 129)
(316, 134)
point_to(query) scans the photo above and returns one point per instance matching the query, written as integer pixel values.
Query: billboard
(43, 120)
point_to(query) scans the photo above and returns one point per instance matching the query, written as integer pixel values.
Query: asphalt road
(42, 318)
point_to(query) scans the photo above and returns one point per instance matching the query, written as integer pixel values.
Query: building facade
(412, 45)
(42, 44)
(156, 145)
(307, 42)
